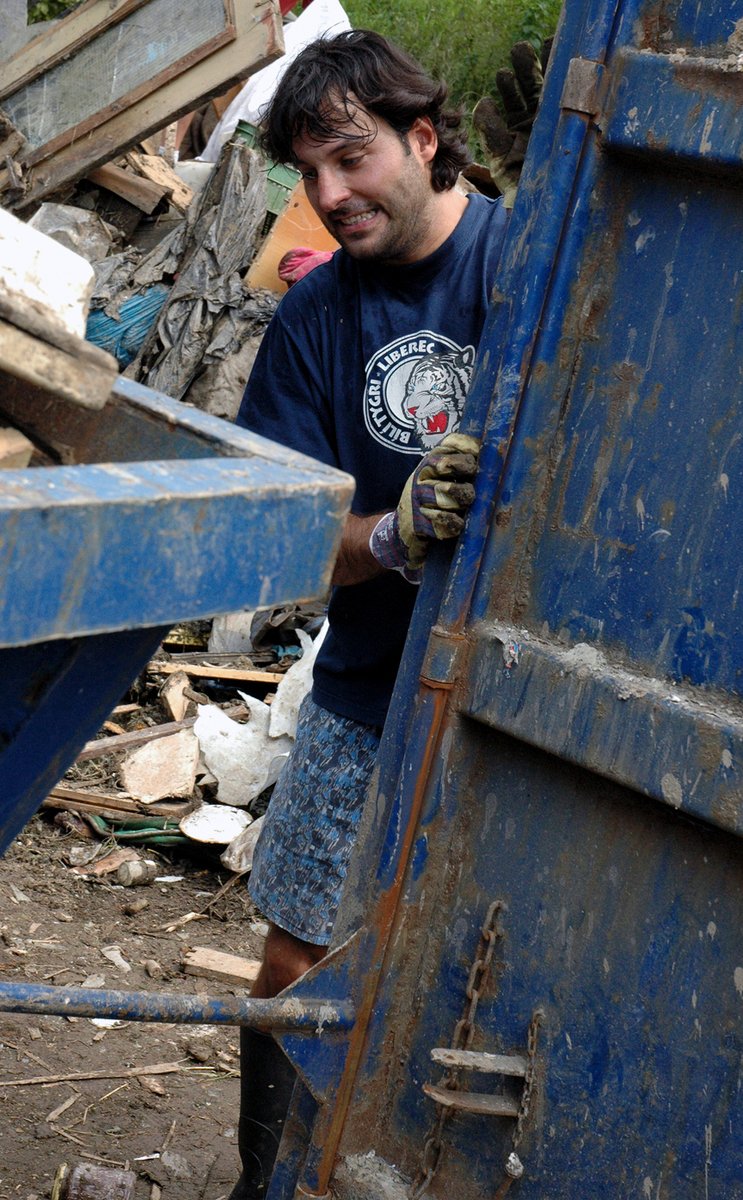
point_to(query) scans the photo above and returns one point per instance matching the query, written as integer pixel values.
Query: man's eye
(309, 175)
(354, 161)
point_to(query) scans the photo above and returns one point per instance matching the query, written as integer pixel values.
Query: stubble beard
(409, 219)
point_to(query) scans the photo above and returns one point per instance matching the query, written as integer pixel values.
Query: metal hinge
(582, 87)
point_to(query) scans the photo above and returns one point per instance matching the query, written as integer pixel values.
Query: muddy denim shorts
(310, 827)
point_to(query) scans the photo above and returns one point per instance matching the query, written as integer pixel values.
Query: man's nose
(332, 190)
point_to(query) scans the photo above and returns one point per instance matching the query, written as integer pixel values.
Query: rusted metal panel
(565, 740)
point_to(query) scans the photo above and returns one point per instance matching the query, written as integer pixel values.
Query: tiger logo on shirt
(415, 391)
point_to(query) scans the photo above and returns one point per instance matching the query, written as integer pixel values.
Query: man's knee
(285, 958)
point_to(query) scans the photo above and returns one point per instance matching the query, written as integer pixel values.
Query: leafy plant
(461, 41)
(46, 10)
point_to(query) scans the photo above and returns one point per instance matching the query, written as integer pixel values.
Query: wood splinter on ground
(227, 968)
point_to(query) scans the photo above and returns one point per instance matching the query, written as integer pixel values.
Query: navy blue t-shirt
(365, 367)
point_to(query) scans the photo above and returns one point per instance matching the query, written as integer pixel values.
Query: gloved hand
(432, 506)
(504, 141)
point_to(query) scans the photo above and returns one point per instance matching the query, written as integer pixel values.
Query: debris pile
(109, 170)
(193, 755)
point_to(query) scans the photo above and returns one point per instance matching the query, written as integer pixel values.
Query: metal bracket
(443, 656)
(514, 1065)
(582, 85)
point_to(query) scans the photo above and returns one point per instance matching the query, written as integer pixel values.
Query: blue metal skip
(169, 515)
(566, 739)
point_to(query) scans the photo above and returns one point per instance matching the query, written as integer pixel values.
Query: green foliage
(461, 41)
(45, 10)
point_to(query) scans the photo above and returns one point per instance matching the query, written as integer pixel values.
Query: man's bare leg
(266, 1076)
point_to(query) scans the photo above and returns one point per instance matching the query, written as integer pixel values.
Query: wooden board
(142, 193)
(45, 368)
(227, 968)
(112, 807)
(258, 41)
(298, 225)
(15, 449)
(236, 673)
(155, 169)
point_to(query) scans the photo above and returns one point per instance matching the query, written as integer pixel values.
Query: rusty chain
(531, 1067)
(464, 1032)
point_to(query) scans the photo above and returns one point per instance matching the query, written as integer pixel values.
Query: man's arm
(355, 562)
(432, 507)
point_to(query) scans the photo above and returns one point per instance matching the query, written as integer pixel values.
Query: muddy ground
(177, 1130)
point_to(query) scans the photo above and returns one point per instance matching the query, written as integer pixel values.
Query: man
(364, 366)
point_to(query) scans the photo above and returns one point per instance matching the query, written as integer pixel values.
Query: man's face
(373, 192)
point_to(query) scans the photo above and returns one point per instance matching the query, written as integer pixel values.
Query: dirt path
(176, 1130)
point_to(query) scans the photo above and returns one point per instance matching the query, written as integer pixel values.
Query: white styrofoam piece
(36, 268)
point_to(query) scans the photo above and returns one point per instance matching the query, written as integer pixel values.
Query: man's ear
(423, 139)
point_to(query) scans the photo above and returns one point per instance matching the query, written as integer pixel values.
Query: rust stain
(714, 83)
(654, 26)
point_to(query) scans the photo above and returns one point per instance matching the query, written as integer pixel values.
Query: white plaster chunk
(171, 694)
(243, 758)
(163, 768)
(215, 823)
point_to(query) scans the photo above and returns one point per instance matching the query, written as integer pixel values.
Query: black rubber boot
(267, 1081)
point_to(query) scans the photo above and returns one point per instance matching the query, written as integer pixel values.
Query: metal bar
(476, 1060)
(473, 1102)
(314, 1017)
(675, 106)
(653, 736)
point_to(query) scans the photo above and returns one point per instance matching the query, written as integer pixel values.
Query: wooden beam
(142, 193)
(205, 672)
(45, 368)
(155, 168)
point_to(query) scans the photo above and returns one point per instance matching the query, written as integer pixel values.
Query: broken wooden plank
(206, 672)
(258, 41)
(15, 449)
(138, 737)
(110, 807)
(226, 968)
(142, 193)
(154, 168)
(52, 371)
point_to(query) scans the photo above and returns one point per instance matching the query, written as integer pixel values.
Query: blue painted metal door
(571, 774)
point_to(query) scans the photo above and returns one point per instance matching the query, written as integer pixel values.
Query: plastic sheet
(124, 337)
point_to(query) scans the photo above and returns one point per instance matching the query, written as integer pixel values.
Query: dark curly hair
(319, 92)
